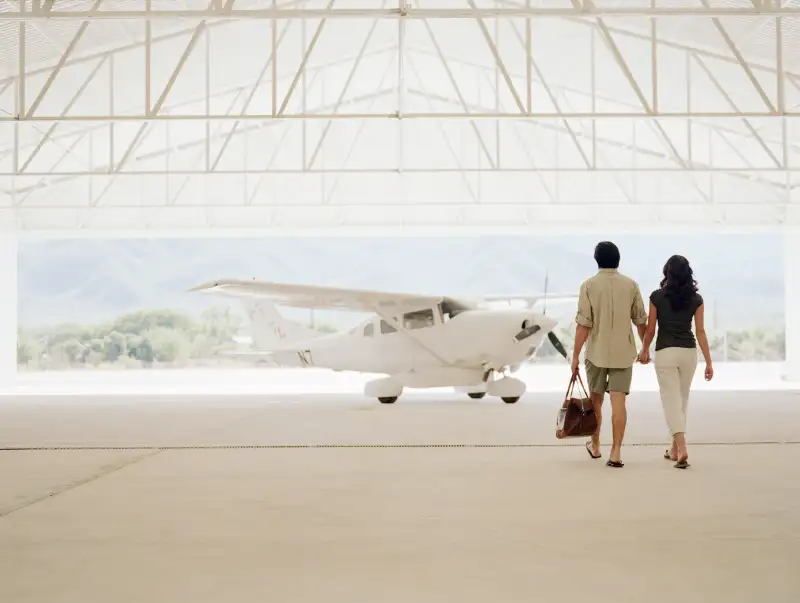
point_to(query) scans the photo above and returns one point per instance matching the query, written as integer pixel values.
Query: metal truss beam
(564, 127)
(732, 104)
(743, 171)
(740, 59)
(222, 25)
(408, 12)
(520, 109)
(59, 66)
(599, 142)
(538, 116)
(575, 205)
(701, 171)
(469, 108)
(56, 174)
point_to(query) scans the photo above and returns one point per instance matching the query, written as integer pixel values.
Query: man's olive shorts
(602, 380)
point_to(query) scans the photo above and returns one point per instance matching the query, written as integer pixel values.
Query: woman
(672, 306)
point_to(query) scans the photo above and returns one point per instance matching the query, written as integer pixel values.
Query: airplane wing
(314, 296)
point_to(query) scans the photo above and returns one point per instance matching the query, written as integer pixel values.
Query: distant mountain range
(741, 276)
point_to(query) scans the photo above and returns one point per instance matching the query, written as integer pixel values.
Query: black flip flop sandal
(589, 450)
(618, 464)
(682, 465)
(668, 456)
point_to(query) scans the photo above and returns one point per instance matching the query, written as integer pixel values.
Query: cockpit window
(386, 328)
(420, 319)
(451, 308)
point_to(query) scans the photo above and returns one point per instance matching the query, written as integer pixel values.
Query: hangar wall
(792, 304)
(8, 304)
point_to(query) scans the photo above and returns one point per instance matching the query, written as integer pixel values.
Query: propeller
(529, 329)
(546, 278)
(554, 340)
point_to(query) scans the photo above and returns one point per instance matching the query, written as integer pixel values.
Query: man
(607, 304)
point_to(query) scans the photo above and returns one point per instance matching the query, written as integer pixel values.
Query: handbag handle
(571, 386)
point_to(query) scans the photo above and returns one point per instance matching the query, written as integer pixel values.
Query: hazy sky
(83, 280)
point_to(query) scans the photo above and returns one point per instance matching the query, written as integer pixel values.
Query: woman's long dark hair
(678, 283)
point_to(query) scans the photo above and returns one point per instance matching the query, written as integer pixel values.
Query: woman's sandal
(668, 456)
(684, 464)
(610, 463)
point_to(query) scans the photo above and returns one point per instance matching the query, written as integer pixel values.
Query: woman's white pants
(675, 368)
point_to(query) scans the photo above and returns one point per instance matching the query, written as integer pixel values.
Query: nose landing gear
(386, 390)
(508, 389)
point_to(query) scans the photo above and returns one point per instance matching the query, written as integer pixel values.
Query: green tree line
(137, 339)
(765, 344)
(167, 337)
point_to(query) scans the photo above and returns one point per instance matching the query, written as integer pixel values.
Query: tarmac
(437, 498)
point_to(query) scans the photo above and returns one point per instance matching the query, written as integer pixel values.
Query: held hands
(644, 358)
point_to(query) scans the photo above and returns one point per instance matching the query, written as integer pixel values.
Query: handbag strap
(583, 387)
(571, 387)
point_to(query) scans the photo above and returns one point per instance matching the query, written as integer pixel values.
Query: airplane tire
(476, 395)
(388, 400)
(510, 400)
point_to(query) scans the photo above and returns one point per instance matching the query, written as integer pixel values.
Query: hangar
(194, 118)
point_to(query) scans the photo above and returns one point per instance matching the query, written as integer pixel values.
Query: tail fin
(270, 330)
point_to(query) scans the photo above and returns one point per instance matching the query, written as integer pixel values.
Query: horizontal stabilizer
(278, 358)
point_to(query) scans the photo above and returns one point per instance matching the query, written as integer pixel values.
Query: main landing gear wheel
(388, 400)
(510, 400)
(476, 395)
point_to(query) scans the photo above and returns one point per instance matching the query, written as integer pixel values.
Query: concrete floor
(433, 499)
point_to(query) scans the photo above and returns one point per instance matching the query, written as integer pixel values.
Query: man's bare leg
(619, 419)
(597, 405)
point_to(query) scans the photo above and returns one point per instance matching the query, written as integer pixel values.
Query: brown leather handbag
(576, 416)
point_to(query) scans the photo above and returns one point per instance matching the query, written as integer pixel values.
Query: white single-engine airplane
(417, 341)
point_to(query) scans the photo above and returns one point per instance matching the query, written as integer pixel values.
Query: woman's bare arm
(700, 332)
(650, 331)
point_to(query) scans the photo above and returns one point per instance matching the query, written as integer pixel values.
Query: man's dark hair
(606, 254)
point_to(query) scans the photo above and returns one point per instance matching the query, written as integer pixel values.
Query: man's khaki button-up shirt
(608, 303)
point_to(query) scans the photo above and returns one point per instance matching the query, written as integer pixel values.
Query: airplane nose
(541, 324)
(547, 323)
(535, 324)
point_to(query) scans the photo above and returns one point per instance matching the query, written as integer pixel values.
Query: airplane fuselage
(429, 350)
(416, 341)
